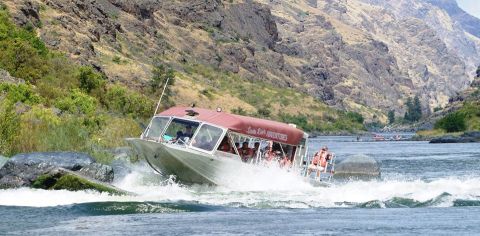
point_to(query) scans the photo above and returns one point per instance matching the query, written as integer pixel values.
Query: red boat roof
(265, 129)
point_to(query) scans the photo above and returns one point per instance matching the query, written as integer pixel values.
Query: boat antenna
(161, 96)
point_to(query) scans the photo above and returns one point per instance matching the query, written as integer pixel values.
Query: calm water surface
(425, 189)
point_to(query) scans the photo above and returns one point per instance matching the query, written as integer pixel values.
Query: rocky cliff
(361, 55)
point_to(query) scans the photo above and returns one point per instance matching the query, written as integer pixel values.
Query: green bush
(20, 93)
(8, 127)
(23, 53)
(453, 122)
(89, 79)
(77, 103)
(356, 117)
(120, 99)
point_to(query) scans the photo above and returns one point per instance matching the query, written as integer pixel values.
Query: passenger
(179, 135)
(225, 146)
(269, 153)
(285, 162)
(237, 145)
(246, 153)
(256, 149)
(188, 132)
(319, 162)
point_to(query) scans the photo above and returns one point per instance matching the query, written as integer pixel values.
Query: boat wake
(253, 189)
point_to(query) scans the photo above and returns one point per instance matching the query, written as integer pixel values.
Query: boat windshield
(207, 137)
(157, 125)
(180, 130)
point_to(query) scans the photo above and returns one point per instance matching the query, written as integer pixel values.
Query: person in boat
(245, 152)
(225, 145)
(188, 132)
(256, 149)
(270, 154)
(286, 162)
(319, 162)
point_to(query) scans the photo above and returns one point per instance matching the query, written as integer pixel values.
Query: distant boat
(378, 137)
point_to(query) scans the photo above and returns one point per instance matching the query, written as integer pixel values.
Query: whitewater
(421, 184)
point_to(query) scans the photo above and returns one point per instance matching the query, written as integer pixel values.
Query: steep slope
(359, 55)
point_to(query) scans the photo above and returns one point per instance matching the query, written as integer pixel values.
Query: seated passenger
(188, 132)
(286, 162)
(225, 145)
(237, 145)
(319, 162)
(269, 153)
(256, 149)
(245, 152)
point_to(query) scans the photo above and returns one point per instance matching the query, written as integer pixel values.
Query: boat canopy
(260, 128)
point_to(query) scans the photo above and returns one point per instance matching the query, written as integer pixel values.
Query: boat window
(207, 137)
(156, 127)
(180, 130)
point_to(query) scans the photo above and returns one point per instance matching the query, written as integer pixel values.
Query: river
(425, 188)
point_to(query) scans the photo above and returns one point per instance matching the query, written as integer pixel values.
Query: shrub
(453, 122)
(239, 111)
(77, 103)
(117, 59)
(355, 116)
(20, 93)
(120, 99)
(160, 76)
(8, 127)
(90, 79)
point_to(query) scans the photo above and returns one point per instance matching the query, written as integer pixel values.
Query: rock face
(358, 166)
(23, 169)
(361, 55)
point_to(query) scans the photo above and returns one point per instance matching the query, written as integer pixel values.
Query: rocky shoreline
(467, 137)
(57, 170)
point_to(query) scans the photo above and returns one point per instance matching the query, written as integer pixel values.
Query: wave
(268, 189)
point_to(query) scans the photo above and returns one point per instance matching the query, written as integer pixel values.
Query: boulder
(98, 171)
(23, 169)
(62, 179)
(358, 166)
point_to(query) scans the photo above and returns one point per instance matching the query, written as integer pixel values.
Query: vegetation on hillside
(466, 118)
(61, 105)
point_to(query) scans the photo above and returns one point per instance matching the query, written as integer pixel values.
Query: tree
(160, 76)
(417, 109)
(453, 122)
(408, 112)
(478, 72)
(414, 109)
(391, 117)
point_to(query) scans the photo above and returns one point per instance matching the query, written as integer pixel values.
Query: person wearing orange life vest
(319, 162)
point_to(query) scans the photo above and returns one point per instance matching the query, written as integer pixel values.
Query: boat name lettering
(268, 134)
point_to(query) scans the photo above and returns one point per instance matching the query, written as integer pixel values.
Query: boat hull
(189, 166)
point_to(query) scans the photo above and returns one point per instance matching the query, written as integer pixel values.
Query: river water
(425, 188)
